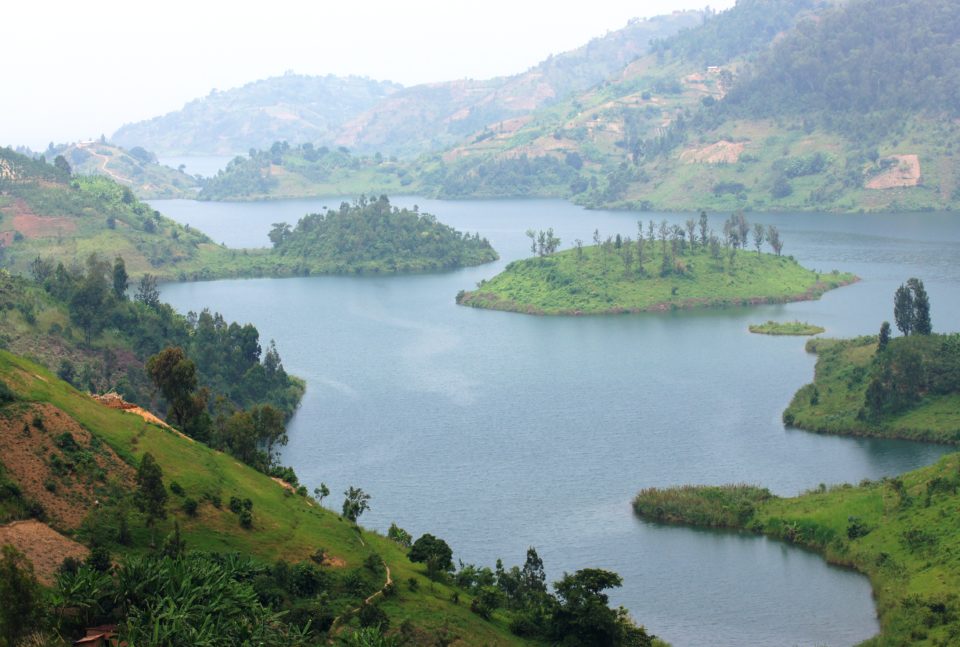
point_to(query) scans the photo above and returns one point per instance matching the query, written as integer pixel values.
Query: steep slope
(284, 526)
(292, 107)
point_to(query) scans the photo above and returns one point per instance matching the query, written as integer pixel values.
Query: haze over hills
(291, 107)
(372, 116)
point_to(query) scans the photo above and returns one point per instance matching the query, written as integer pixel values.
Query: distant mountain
(435, 116)
(292, 107)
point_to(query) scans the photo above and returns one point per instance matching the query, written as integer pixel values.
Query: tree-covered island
(665, 268)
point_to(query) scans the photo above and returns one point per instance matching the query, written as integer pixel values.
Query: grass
(903, 533)
(834, 401)
(786, 328)
(597, 283)
(285, 525)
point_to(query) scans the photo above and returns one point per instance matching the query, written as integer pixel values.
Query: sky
(76, 70)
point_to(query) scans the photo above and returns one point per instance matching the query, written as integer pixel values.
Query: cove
(498, 431)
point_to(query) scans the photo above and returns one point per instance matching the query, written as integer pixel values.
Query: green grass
(599, 284)
(786, 328)
(834, 401)
(903, 533)
(285, 526)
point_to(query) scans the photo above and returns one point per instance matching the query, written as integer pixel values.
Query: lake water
(499, 431)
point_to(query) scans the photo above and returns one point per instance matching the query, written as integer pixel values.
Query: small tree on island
(759, 235)
(903, 310)
(921, 307)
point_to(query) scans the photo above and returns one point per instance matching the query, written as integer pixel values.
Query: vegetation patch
(903, 533)
(799, 328)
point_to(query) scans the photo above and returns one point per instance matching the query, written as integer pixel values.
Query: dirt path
(103, 164)
(370, 598)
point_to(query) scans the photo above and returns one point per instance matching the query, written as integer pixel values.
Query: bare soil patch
(721, 152)
(44, 547)
(33, 226)
(904, 172)
(58, 463)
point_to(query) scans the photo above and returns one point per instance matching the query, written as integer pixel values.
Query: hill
(901, 532)
(765, 106)
(87, 437)
(434, 116)
(621, 275)
(291, 107)
(136, 169)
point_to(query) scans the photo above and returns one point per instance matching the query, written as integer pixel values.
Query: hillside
(621, 275)
(292, 107)
(88, 437)
(431, 117)
(901, 532)
(136, 169)
(723, 117)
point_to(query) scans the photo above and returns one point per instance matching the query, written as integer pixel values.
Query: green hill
(284, 526)
(621, 275)
(136, 169)
(902, 532)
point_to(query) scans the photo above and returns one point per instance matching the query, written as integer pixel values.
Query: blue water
(499, 431)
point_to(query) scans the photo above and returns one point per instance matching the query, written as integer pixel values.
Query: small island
(797, 328)
(665, 268)
(371, 236)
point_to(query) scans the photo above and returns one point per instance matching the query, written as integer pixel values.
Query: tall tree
(121, 280)
(147, 291)
(759, 235)
(921, 307)
(175, 375)
(903, 311)
(151, 495)
(884, 337)
(773, 237)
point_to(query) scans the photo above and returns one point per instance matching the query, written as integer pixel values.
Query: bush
(6, 394)
(190, 506)
(246, 519)
(371, 615)
(176, 488)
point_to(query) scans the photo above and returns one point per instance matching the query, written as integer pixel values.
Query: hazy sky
(74, 70)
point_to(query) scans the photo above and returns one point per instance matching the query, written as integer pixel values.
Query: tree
(921, 307)
(903, 311)
(151, 495)
(175, 375)
(759, 235)
(773, 237)
(884, 337)
(121, 279)
(19, 595)
(355, 503)
(704, 227)
(321, 492)
(434, 552)
(62, 165)
(147, 291)
(583, 616)
(399, 535)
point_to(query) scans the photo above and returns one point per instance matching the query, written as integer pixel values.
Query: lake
(498, 431)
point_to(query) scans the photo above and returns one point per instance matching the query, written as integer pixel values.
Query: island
(669, 268)
(796, 328)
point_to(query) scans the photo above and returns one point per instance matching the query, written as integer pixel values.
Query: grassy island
(907, 390)
(798, 328)
(903, 533)
(626, 276)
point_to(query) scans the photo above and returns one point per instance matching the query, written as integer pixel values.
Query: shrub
(190, 506)
(176, 488)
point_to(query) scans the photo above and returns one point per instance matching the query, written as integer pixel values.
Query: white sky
(76, 69)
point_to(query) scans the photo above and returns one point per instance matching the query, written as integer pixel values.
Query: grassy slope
(147, 180)
(560, 284)
(910, 549)
(285, 526)
(786, 328)
(840, 383)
